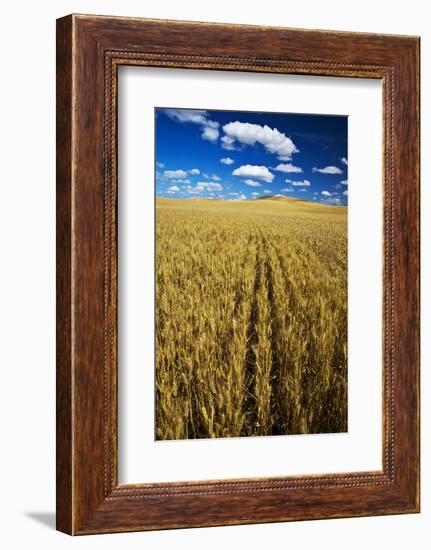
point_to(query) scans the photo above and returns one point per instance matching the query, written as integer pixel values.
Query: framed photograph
(237, 274)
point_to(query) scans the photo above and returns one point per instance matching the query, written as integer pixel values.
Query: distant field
(251, 318)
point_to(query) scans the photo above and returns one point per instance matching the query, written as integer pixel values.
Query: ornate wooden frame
(89, 51)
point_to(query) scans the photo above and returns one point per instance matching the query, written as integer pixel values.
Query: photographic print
(251, 273)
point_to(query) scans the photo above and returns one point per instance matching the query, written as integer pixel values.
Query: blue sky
(239, 155)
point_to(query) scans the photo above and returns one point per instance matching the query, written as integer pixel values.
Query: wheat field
(251, 318)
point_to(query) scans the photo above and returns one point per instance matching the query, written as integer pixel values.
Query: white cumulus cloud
(204, 186)
(193, 190)
(288, 168)
(328, 170)
(196, 116)
(173, 189)
(343, 160)
(250, 171)
(181, 181)
(176, 174)
(304, 183)
(288, 190)
(344, 182)
(326, 193)
(210, 134)
(180, 175)
(336, 201)
(228, 143)
(227, 160)
(273, 140)
(253, 183)
(210, 185)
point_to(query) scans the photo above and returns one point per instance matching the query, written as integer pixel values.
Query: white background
(27, 123)
(141, 458)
